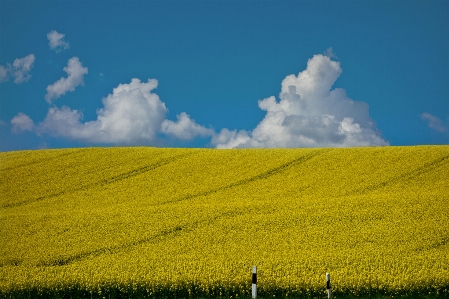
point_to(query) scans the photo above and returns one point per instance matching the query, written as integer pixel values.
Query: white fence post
(254, 280)
(328, 285)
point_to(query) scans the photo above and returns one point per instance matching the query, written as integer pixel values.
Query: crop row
(168, 220)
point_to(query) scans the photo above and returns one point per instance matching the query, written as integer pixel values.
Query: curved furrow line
(42, 161)
(261, 176)
(158, 237)
(403, 177)
(443, 241)
(113, 179)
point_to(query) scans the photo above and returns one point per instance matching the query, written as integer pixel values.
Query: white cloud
(56, 41)
(185, 128)
(433, 122)
(131, 115)
(309, 114)
(75, 72)
(22, 122)
(330, 53)
(4, 73)
(19, 70)
(231, 139)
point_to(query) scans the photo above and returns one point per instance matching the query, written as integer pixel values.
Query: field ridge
(142, 222)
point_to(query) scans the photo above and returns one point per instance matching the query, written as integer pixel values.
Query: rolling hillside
(192, 222)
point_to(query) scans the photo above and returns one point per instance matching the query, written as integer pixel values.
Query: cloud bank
(56, 41)
(75, 72)
(19, 70)
(308, 114)
(132, 114)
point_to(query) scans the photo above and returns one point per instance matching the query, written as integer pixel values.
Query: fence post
(254, 280)
(328, 285)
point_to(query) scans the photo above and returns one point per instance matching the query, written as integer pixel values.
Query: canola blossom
(165, 222)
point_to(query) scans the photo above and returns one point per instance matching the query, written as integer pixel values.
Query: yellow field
(196, 220)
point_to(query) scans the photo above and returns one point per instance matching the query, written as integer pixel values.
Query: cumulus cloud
(56, 41)
(132, 114)
(19, 70)
(433, 122)
(308, 114)
(22, 122)
(184, 128)
(75, 72)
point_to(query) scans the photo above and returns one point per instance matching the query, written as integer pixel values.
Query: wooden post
(328, 285)
(254, 280)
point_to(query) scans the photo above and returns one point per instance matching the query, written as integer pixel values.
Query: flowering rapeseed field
(157, 222)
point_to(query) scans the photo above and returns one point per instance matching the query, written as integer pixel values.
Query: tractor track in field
(158, 237)
(264, 175)
(427, 167)
(42, 161)
(113, 179)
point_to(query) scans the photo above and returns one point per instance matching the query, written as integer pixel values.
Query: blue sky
(223, 73)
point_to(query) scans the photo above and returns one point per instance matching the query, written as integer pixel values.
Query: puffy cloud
(231, 139)
(19, 70)
(309, 114)
(75, 72)
(131, 115)
(22, 122)
(56, 41)
(433, 122)
(185, 128)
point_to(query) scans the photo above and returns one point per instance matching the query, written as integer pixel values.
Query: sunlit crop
(193, 222)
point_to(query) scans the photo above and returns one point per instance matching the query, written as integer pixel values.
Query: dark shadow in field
(113, 179)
